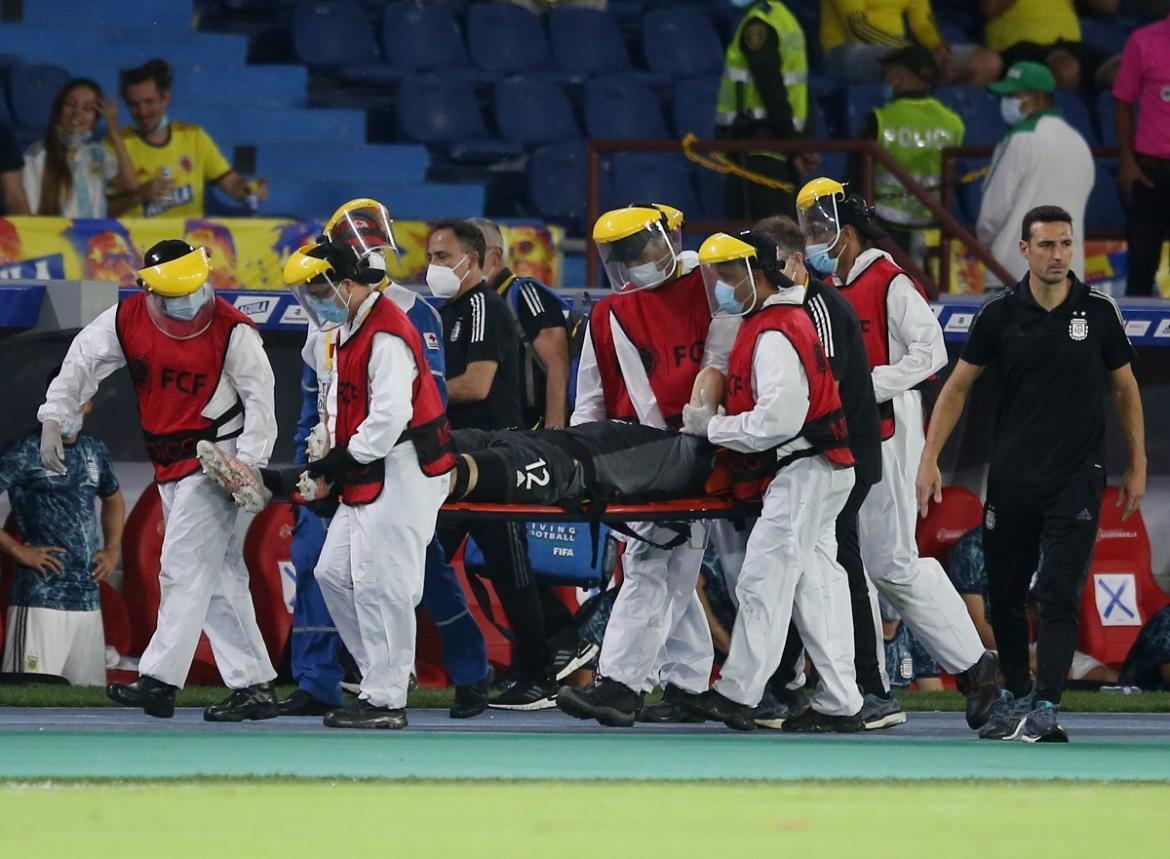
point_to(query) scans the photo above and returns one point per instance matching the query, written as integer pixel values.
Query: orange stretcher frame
(674, 510)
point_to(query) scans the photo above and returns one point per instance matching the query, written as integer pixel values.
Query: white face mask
(184, 307)
(442, 281)
(1009, 109)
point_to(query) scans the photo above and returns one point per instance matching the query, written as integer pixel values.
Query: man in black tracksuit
(1059, 348)
(840, 333)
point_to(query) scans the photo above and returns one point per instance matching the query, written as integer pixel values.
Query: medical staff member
(785, 428)
(389, 458)
(905, 346)
(644, 358)
(200, 372)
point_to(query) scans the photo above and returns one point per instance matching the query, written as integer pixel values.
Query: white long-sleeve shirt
(1041, 163)
(916, 345)
(96, 352)
(780, 389)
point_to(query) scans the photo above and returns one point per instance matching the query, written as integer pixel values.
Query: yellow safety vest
(738, 96)
(914, 131)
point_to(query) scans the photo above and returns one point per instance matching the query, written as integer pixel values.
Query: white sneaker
(242, 481)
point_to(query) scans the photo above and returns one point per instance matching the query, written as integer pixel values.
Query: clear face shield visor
(730, 287)
(366, 226)
(820, 224)
(325, 304)
(643, 260)
(182, 317)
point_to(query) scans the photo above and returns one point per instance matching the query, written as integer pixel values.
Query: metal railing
(872, 154)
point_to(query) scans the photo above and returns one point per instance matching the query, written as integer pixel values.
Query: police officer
(764, 95)
(1060, 347)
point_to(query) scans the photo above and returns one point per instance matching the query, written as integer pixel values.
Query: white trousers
(917, 588)
(371, 574)
(204, 585)
(790, 573)
(70, 644)
(657, 596)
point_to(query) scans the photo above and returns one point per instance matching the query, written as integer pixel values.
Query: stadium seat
(31, 90)
(681, 41)
(404, 163)
(337, 34)
(236, 125)
(694, 106)
(443, 111)
(557, 178)
(1118, 540)
(1105, 211)
(1105, 34)
(587, 42)
(426, 38)
(959, 511)
(1076, 113)
(979, 110)
(272, 576)
(621, 108)
(860, 99)
(412, 201)
(1119, 598)
(643, 176)
(534, 112)
(265, 86)
(506, 39)
(174, 17)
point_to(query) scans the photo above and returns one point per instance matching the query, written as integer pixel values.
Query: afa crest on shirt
(92, 470)
(1078, 326)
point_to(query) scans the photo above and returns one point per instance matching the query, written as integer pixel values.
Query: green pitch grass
(567, 819)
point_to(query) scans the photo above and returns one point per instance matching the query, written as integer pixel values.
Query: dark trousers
(1053, 527)
(1147, 225)
(505, 553)
(865, 658)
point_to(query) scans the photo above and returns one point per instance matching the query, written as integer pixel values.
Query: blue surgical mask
(1009, 109)
(818, 257)
(329, 310)
(162, 125)
(184, 307)
(725, 298)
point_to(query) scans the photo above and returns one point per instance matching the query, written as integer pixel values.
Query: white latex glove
(313, 488)
(695, 419)
(317, 444)
(52, 448)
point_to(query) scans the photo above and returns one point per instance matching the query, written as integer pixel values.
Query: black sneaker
(362, 714)
(981, 687)
(532, 693)
(718, 707)
(252, 702)
(670, 708)
(302, 703)
(814, 722)
(472, 700)
(573, 655)
(775, 707)
(608, 701)
(153, 696)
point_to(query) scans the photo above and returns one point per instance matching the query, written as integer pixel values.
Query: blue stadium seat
(426, 38)
(712, 194)
(412, 201)
(405, 163)
(587, 42)
(860, 99)
(1076, 113)
(557, 177)
(1105, 34)
(969, 195)
(506, 39)
(534, 112)
(31, 90)
(267, 85)
(1105, 211)
(234, 125)
(979, 110)
(122, 48)
(337, 34)
(637, 176)
(680, 41)
(443, 111)
(694, 106)
(172, 16)
(821, 129)
(619, 107)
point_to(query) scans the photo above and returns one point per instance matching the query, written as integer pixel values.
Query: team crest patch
(455, 329)
(431, 340)
(186, 164)
(989, 518)
(91, 467)
(1078, 326)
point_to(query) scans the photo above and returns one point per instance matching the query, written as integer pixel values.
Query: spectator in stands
(857, 34)
(68, 173)
(1144, 76)
(55, 619)
(1042, 160)
(764, 94)
(544, 337)
(173, 159)
(914, 128)
(1049, 32)
(1147, 665)
(907, 661)
(483, 391)
(11, 188)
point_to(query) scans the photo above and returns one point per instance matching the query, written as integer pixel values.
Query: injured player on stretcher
(606, 462)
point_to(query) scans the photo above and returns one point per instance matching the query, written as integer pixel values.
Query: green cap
(1025, 76)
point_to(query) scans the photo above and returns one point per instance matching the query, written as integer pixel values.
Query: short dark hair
(783, 231)
(469, 235)
(1043, 215)
(156, 70)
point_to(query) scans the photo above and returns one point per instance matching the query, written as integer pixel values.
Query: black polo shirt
(534, 308)
(478, 326)
(1054, 374)
(840, 332)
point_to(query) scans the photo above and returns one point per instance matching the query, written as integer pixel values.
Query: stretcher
(672, 510)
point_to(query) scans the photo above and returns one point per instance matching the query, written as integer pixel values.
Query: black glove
(332, 465)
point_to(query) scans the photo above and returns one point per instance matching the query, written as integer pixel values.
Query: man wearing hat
(914, 128)
(200, 374)
(1041, 161)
